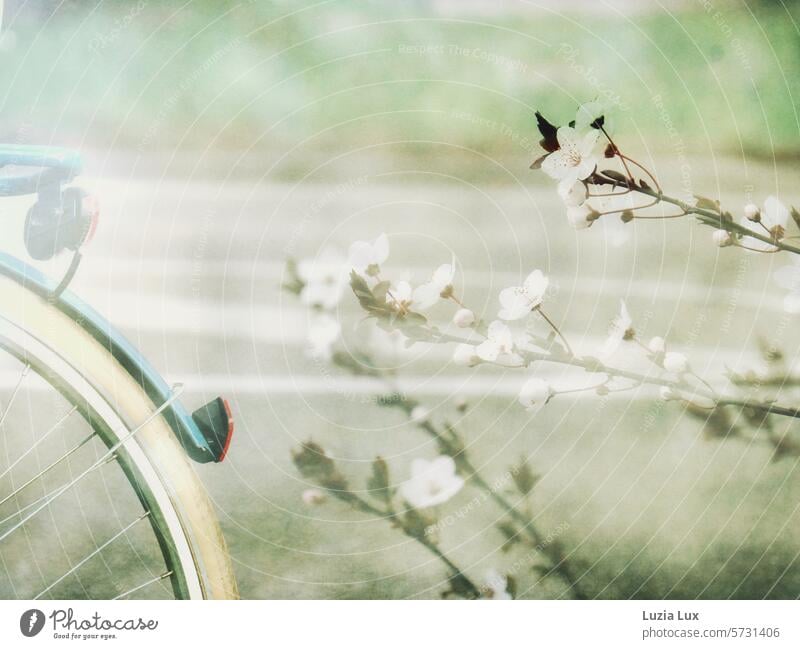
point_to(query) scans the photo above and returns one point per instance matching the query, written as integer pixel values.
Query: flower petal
(775, 213)
(515, 303)
(791, 303)
(568, 137)
(557, 165)
(360, 254)
(536, 284)
(426, 295)
(443, 467)
(488, 351)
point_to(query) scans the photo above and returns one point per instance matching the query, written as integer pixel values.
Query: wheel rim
(146, 482)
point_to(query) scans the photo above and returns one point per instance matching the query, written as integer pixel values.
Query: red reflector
(229, 436)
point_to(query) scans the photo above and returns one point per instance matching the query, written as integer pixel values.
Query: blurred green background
(343, 74)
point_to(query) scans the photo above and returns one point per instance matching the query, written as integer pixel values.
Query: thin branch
(716, 220)
(551, 550)
(390, 514)
(592, 364)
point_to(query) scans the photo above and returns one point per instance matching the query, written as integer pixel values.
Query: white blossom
(432, 482)
(535, 391)
(773, 218)
(752, 213)
(323, 332)
(573, 195)
(499, 341)
(575, 159)
(621, 329)
(440, 285)
(366, 258)
(788, 277)
(676, 362)
(519, 301)
(592, 111)
(313, 497)
(401, 296)
(463, 318)
(466, 355)
(791, 303)
(393, 343)
(420, 414)
(324, 279)
(579, 217)
(656, 345)
(496, 585)
(668, 394)
(722, 238)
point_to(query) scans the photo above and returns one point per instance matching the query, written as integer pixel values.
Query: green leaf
(615, 175)
(293, 283)
(510, 533)
(380, 291)
(537, 164)
(523, 476)
(313, 463)
(417, 525)
(459, 586)
(378, 482)
(511, 586)
(707, 203)
(795, 215)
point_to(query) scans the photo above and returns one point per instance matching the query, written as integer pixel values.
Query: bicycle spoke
(177, 390)
(14, 394)
(75, 448)
(47, 495)
(39, 441)
(144, 585)
(94, 553)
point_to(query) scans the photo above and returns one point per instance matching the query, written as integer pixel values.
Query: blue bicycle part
(57, 221)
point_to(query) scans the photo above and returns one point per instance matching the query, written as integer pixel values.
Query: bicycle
(140, 442)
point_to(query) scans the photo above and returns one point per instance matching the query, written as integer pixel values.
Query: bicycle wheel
(87, 467)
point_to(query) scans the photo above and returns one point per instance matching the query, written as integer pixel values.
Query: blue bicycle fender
(183, 425)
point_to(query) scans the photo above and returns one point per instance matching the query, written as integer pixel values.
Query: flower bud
(791, 303)
(313, 497)
(465, 355)
(722, 238)
(578, 217)
(464, 318)
(668, 394)
(535, 391)
(574, 195)
(676, 362)
(657, 345)
(420, 414)
(752, 213)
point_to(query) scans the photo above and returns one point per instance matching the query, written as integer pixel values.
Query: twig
(591, 364)
(551, 550)
(716, 220)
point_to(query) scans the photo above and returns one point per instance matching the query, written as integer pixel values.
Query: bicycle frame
(59, 166)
